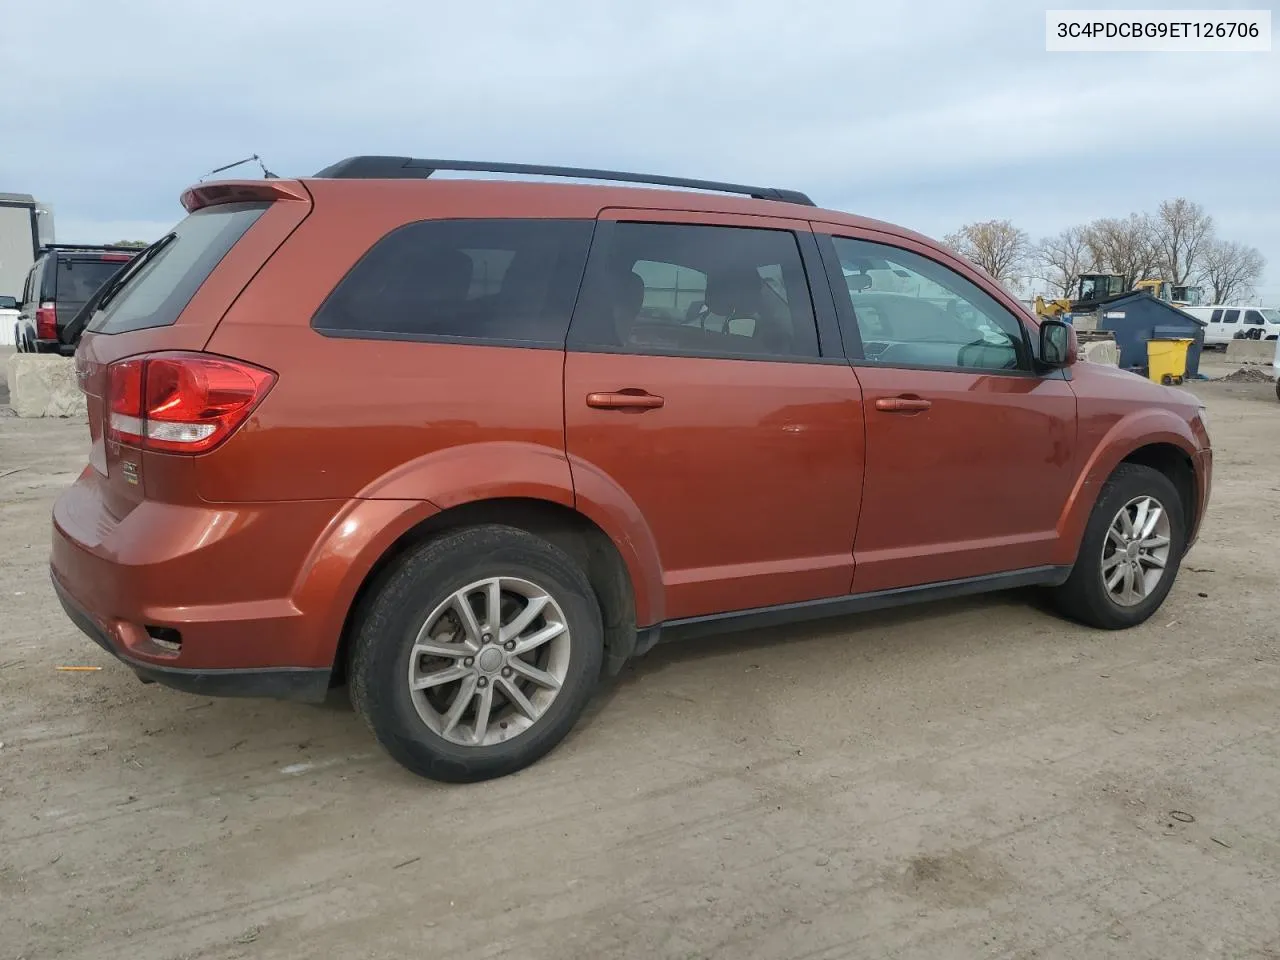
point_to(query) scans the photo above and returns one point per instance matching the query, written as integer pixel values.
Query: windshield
(162, 287)
(78, 279)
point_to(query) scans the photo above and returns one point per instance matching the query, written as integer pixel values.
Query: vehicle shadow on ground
(853, 635)
(806, 650)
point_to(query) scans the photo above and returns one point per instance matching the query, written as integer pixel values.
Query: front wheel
(477, 654)
(1130, 553)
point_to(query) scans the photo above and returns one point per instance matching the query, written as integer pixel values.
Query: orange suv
(469, 444)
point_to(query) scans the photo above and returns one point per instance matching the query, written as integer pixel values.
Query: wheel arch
(570, 530)
(1176, 464)
(1155, 438)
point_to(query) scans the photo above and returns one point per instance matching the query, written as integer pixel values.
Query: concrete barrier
(1100, 351)
(43, 385)
(1252, 351)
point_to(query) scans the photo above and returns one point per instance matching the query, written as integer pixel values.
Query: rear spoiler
(241, 191)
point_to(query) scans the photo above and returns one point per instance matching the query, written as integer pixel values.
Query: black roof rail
(403, 168)
(93, 247)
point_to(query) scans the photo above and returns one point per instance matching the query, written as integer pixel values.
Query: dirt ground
(965, 779)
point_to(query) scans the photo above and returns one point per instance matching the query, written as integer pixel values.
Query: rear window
(78, 278)
(463, 280)
(159, 289)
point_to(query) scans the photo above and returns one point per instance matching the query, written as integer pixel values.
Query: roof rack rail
(87, 246)
(402, 168)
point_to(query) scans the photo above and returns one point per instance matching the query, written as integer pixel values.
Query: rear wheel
(1130, 553)
(478, 654)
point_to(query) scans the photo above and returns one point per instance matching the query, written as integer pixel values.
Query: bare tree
(997, 246)
(1124, 246)
(1062, 258)
(1231, 269)
(1182, 234)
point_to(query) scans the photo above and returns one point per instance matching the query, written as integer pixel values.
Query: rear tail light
(181, 402)
(46, 322)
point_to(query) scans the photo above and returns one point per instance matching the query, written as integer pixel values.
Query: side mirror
(1058, 347)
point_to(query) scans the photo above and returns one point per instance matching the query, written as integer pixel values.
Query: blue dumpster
(1137, 317)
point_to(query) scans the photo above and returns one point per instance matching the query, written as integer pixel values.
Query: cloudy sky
(928, 114)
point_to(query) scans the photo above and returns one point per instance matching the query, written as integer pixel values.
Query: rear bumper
(244, 599)
(54, 346)
(308, 684)
(198, 596)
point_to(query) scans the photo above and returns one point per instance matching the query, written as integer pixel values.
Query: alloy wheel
(489, 661)
(1136, 550)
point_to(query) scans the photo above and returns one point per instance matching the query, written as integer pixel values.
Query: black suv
(60, 282)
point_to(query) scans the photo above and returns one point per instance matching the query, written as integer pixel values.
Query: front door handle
(624, 400)
(902, 404)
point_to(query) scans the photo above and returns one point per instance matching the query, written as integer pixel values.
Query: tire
(415, 594)
(1085, 595)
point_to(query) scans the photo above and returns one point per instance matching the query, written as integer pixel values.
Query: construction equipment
(1178, 294)
(1092, 289)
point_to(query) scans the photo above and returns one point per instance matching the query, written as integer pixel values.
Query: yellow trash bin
(1167, 360)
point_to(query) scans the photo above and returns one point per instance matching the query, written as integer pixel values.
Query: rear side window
(78, 278)
(1231, 316)
(498, 281)
(158, 286)
(694, 290)
(1216, 317)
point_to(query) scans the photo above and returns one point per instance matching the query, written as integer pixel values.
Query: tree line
(1177, 243)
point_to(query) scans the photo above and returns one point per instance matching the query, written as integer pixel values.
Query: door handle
(624, 400)
(902, 404)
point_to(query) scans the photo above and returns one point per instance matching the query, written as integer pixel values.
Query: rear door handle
(624, 400)
(902, 404)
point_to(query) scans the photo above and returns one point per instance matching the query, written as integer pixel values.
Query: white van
(1225, 323)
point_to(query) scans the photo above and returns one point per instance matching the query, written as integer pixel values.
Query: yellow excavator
(1092, 288)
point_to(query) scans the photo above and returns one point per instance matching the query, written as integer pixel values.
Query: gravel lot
(967, 779)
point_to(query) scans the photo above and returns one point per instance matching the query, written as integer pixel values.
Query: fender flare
(370, 524)
(1143, 428)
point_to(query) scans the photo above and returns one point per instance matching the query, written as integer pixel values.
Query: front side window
(695, 290)
(1254, 317)
(911, 311)
(470, 280)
